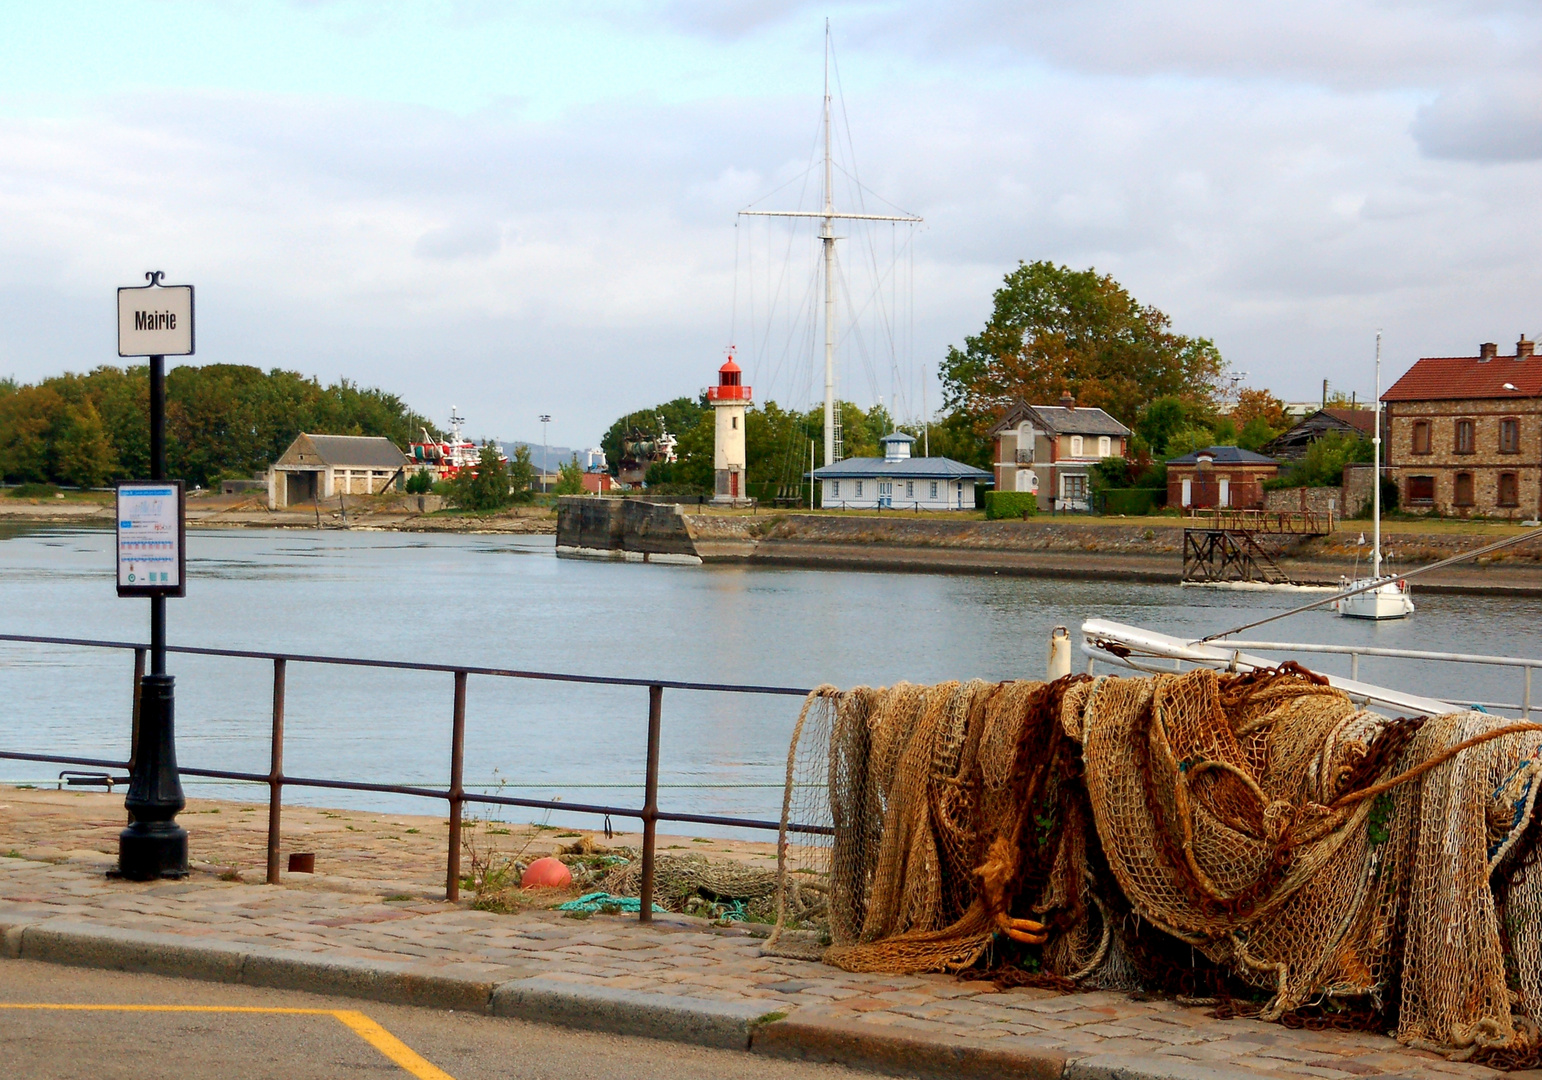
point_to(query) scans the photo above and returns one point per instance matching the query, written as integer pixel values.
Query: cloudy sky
(520, 209)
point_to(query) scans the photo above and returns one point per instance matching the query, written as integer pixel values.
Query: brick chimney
(1487, 351)
(1525, 349)
(1067, 402)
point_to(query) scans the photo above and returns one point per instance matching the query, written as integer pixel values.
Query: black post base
(151, 850)
(154, 846)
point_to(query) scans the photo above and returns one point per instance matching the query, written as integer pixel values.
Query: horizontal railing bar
(434, 793)
(1370, 650)
(100, 763)
(414, 665)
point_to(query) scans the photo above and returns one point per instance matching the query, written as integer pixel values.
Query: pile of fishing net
(1254, 839)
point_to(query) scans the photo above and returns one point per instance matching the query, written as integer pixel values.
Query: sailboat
(1389, 599)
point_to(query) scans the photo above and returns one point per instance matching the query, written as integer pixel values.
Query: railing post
(650, 811)
(1354, 666)
(457, 789)
(1526, 696)
(276, 773)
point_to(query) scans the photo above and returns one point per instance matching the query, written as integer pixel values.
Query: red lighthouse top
(729, 388)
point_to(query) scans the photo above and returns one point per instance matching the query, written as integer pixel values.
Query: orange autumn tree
(1055, 330)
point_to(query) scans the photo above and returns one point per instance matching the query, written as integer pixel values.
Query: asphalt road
(343, 1038)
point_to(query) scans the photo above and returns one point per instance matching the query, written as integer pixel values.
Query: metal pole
(650, 811)
(139, 675)
(276, 773)
(827, 238)
(154, 845)
(457, 788)
(1354, 666)
(1526, 696)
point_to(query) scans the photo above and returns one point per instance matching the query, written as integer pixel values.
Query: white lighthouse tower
(729, 399)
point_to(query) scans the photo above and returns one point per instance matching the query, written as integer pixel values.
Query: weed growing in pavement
(231, 874)
(414, 830)
(14, 854)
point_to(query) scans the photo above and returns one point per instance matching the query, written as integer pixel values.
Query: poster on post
(152, 556)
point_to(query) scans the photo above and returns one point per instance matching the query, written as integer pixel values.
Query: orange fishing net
(1202, 834)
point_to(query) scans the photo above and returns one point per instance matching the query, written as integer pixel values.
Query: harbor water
(507, 601)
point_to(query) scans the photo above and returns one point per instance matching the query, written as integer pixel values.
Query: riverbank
(1129, 549)
(211, 511)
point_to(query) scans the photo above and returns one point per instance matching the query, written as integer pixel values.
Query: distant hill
(555, 455)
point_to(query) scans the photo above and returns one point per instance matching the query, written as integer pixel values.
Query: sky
(526, 209)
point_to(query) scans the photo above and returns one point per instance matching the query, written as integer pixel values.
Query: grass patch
(14, 854)
(769, 1018)
(398, 897)
(231, 875)
(498, 832)
(34, 491)
(414, 830)
(700, 840)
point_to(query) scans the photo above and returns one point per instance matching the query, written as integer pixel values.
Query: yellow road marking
(399, 1053)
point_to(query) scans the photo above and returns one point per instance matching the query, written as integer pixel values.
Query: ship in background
(446, 458)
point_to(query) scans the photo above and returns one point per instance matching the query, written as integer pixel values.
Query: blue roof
(1224, 455)
(916, 468)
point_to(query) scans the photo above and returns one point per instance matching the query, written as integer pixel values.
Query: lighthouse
(729, 399)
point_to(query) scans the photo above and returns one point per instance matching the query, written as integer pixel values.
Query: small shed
(1227, 477)
(1292, 445)
(898, 480)
(319, 467)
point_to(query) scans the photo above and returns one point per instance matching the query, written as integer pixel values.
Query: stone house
(1050, 450)
(319, 467)
(1464, 433)
(1225, 477)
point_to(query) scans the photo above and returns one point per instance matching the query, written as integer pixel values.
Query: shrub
(1000, 505)
(420, 483)
(1132, 502)
(34, 491)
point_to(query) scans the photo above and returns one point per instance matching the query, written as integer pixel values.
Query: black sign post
(154, 845)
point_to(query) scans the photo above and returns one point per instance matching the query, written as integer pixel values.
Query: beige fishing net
(1255, 839)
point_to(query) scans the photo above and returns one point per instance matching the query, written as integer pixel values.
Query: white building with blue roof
(899, 481)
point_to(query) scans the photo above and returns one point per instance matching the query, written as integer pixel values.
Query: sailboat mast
(1376, 473)
(827, 237)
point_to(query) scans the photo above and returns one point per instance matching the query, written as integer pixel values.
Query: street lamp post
(545, 419)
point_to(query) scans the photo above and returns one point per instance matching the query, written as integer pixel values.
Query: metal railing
(455, 794)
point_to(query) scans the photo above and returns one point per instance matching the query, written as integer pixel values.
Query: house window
(835, 489)
(859, 489)
(1463, 494)
(910, 489)
(1421, 489)
(1509, 435)
(1465, 441)
(735, 420)
(1421, 437)
(1073, 487)
(1509, 489)
(1105, 446)
(933, 495)
(1076, 446)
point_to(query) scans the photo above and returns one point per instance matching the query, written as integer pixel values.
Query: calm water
(508, 601)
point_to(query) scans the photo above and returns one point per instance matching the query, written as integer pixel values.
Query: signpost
(154, 321)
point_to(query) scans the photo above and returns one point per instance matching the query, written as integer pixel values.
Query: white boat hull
(1390, 601)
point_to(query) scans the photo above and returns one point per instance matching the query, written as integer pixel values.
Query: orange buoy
(547, 873)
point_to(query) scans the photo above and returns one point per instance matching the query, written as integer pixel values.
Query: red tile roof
(1447, 378)
(1363, 419)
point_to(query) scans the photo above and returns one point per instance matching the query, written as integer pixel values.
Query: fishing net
(1250, 837)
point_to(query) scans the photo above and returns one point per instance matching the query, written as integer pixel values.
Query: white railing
(1120, 645)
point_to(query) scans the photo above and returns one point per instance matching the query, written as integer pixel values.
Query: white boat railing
(1121, 645)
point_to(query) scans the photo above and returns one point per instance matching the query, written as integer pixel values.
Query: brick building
(1225, 477)
(1051, 449)
(1464, 433)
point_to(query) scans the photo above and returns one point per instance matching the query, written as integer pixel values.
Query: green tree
(486, 488)
(1159, 421)
(420, 482)
(1255, 433)
(519, 472)
(1055, 330)
(83, 454)
(570, 478)
(1323, 463)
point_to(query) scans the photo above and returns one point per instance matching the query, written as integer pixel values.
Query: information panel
(155, 320)
(152, 560)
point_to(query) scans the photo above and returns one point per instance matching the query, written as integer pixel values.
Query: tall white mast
(1376, 473)
(828, 215)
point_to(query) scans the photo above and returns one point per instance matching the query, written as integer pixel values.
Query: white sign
(150, 538)
(155, 321)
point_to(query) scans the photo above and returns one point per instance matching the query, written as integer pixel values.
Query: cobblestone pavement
(353, 921)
